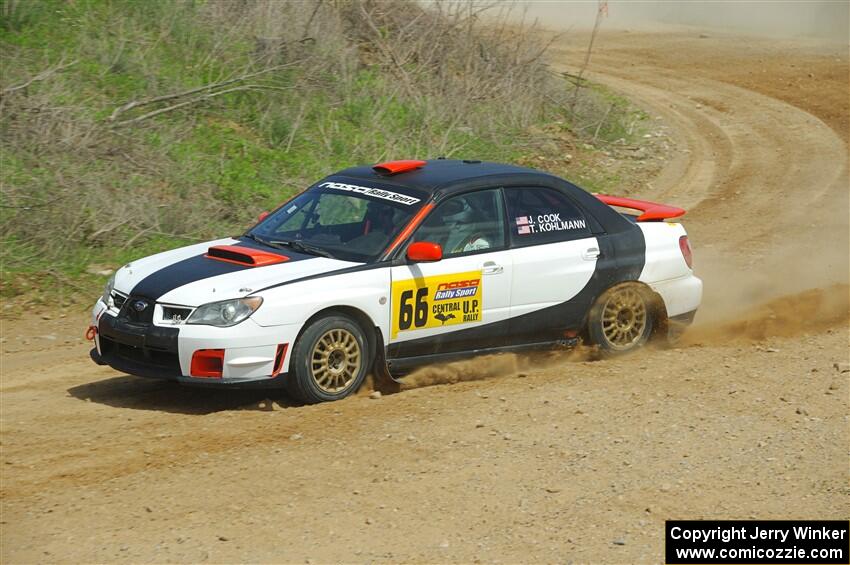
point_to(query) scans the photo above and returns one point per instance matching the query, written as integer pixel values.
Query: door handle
(491, 268)
(590, 253)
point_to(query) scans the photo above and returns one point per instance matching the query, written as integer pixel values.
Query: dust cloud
(808, 311)
(821, 19)
(485, 367)
(794, 278)
(796, 290)
(495, 366)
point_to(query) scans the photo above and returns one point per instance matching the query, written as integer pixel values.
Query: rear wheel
(330, 360)
(622, 319)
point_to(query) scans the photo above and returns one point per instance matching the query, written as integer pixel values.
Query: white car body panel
(250, 349)
(222, 287)
(242, 283)
(545, 275)
(665, 270)
(134, 272)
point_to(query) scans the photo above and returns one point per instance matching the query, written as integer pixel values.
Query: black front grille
(142, 355)
(138, 347)
(175, 314)
(138, 310)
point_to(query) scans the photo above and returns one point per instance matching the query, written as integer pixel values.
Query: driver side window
(465, 224)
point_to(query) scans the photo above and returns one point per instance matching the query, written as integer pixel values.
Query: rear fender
(664, 259)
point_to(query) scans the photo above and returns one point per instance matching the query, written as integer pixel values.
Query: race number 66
(415, 314)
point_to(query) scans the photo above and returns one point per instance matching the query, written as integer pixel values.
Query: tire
(330, 360)
(622, 319)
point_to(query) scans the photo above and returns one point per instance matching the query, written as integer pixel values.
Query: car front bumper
(146, 371)
(165, 352)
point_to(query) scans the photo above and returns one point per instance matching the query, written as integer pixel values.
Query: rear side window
(543, 215)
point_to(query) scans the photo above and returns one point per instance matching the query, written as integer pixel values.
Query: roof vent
(395, 167)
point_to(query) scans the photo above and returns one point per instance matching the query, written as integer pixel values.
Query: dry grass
(127, 128)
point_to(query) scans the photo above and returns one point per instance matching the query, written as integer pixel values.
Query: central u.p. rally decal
(437, 301)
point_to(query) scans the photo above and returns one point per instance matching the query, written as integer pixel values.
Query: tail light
(685, 247)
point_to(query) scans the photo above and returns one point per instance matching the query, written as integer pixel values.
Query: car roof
(448, 175)
(440, 178)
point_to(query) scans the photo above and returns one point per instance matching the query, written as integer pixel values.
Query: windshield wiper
(259, 239)
(302, 247)
(292, 244)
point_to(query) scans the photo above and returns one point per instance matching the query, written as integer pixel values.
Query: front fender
(367, 291)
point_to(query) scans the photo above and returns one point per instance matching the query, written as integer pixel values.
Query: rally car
(388, 267)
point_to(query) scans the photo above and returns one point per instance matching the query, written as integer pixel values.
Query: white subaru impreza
(388, 267)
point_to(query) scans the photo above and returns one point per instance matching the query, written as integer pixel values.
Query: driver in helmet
(460, 219)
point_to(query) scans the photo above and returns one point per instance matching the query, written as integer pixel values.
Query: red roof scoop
(244, 256)
(395, 167)
(651, 210)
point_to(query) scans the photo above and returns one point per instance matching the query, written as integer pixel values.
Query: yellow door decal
(433, 302)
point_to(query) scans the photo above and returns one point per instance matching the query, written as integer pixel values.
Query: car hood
(188, 276)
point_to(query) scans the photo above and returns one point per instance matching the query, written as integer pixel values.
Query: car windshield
(342, 225)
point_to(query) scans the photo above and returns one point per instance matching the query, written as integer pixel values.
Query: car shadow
(137, 393)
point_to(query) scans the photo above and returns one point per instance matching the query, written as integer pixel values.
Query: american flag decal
(523, 220)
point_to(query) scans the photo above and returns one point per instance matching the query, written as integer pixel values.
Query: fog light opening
(207, 363)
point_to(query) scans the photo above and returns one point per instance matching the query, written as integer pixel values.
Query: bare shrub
(179, 121)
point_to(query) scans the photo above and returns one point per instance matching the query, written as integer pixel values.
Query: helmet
(456, 211)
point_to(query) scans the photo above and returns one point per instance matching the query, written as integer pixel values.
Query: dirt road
(554, 459)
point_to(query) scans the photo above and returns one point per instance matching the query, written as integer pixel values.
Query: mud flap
(382, 379)
(676, 325)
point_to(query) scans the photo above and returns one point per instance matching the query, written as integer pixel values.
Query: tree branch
(207, 87)
(202, 98)
(45, 74)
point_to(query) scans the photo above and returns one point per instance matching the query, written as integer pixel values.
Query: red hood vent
(244, 255)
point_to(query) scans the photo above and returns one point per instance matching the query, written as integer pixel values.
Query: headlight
(226, 313)
(107, 291)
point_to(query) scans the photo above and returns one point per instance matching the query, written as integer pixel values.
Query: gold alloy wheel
(335, 361)
(624, 318)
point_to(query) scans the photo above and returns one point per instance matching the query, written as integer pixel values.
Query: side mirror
(262, 216)
(424, 252)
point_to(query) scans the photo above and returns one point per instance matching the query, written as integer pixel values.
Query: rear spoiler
(651, 210)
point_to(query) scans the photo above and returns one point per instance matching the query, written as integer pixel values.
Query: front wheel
(330, 361)
(622, 319)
